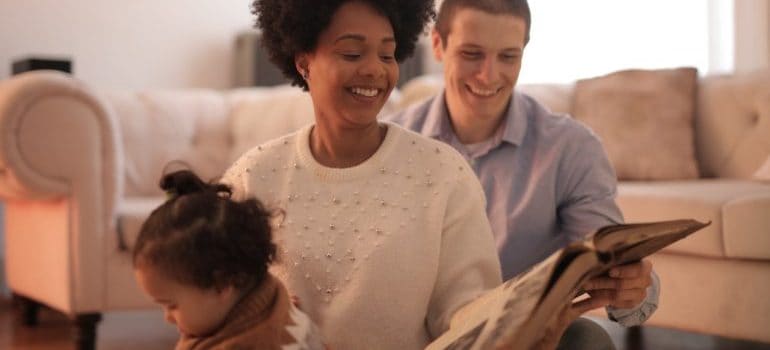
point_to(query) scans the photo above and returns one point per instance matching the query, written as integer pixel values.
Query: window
(579, 39)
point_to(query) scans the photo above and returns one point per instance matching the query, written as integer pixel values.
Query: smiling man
(547, 178)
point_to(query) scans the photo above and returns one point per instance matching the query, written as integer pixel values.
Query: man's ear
(438, 45)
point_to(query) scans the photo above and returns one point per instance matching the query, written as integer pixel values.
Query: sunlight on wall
(578, 39)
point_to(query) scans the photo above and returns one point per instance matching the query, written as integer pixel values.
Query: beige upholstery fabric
(131, 214)
(763, 173)
(733, 124)
(727, 297)
(420, 89)
(59, 141)
(161, 126)
(555, 96)
(738, 211)
(645, 120)
(745, 226)
(36, 263)
(261, 115)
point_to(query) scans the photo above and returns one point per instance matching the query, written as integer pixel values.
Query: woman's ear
(227, 292)
(301, 63)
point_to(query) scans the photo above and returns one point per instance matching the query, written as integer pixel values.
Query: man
(547, 178)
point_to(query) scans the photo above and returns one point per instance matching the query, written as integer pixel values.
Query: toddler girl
(204, 257)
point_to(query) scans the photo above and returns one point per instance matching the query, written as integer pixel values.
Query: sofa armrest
(60, 143)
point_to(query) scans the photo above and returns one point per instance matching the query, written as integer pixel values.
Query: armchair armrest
(52, 131)
(59, 142)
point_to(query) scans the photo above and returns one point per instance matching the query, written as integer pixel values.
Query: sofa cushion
(645, 120)
(161, 126)
(557, 97)
(733, 128)
(131, 214)
(261, 114)
(738, 211)
(763, 174)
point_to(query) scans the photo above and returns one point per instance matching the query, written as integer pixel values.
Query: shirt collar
(516, 119)
(437, 124)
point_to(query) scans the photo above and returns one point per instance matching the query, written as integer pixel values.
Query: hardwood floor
(116, 331)
(148, 331)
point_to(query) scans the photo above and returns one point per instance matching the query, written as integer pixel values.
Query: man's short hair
(448, 9)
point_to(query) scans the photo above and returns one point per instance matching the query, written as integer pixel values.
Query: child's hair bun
(184, 182)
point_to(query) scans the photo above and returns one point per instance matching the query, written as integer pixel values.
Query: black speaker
(33, 63)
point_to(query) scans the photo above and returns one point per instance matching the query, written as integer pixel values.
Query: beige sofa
(79, 167)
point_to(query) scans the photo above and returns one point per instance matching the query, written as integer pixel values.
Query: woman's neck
(344, 148)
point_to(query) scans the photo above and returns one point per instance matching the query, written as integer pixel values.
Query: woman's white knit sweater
(382, 254)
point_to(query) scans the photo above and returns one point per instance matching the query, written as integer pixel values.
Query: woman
(384, 235)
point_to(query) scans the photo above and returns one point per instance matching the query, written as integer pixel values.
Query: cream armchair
(61, 181)
(79, 172)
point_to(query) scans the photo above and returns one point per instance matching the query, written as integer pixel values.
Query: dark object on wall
(252, 63)
(33, 63)
(253, 66)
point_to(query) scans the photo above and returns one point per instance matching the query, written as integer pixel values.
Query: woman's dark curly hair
(290, 27)
(202, 237)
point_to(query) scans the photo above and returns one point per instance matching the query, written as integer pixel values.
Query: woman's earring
(304, 74)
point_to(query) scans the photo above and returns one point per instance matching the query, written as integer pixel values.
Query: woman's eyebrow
(359, 37)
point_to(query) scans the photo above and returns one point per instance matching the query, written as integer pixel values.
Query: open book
(513, 315)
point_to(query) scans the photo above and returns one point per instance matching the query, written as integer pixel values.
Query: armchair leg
(29, 310)
(84, 331)
(634, 338)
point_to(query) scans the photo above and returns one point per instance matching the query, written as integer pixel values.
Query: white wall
(128, 44)
(752, 36)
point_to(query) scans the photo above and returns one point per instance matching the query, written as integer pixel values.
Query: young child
(204, 257)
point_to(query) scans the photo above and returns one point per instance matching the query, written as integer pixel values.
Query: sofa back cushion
(162, 126)
(733, 126)
(262, 114)
(557, 97)
(645, 120)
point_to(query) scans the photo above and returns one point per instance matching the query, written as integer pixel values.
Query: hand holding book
(623, 287)
(532, 310)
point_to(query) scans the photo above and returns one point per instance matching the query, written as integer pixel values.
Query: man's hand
(624, 287)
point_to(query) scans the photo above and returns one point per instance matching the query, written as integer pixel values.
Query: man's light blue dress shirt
(547, 179)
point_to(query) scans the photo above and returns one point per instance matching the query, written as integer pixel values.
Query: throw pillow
(645, 120)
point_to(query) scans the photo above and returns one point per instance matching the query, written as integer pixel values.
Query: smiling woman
(384, 235)
(350, 75)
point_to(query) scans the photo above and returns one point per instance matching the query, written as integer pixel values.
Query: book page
(480, 324)
(617, 237)
(577, 267)
(514, 314)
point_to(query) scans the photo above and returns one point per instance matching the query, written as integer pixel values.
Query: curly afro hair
(201, 237)
(290, 27)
